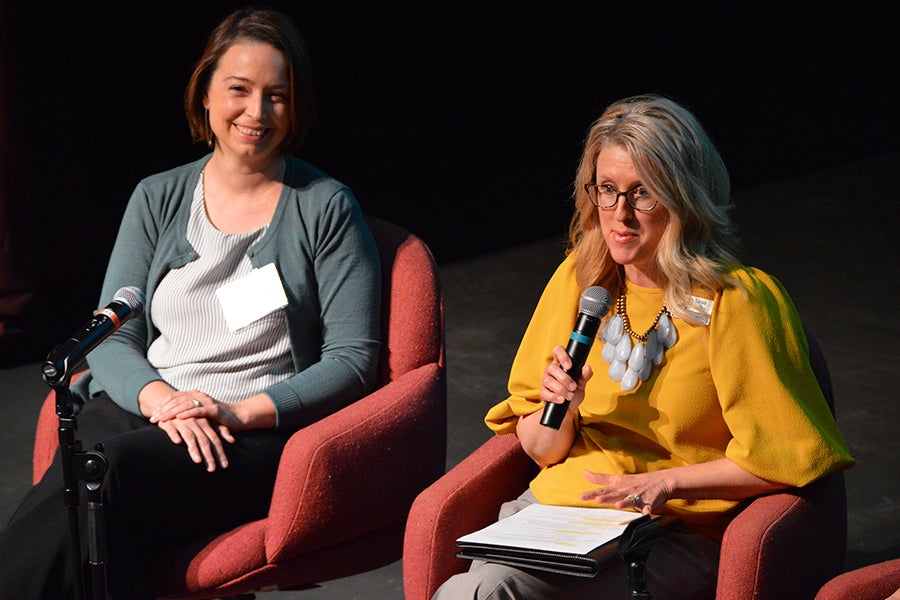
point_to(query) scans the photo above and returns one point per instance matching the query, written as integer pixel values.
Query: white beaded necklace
(629, 364)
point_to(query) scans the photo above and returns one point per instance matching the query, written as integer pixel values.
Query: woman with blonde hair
(699, 393)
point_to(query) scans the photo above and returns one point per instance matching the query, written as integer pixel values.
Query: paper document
(555, 528)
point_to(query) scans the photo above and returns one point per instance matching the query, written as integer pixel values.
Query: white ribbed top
(195, 349)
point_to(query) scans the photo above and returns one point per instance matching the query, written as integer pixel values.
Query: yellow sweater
(740, 388)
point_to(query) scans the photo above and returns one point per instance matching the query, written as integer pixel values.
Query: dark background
(463, 124)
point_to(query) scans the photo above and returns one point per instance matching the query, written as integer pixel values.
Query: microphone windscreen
(133, 297)
(595, 301)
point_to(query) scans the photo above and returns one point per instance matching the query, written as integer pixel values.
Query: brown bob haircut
(256, 25)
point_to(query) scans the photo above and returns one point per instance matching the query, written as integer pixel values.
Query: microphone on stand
(127, 303)
(77, 465)
(593, 306)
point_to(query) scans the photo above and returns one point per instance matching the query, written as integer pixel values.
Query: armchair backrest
(411, 294)
(820, 368)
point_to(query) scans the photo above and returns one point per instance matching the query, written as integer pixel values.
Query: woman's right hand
(202, 439)
(557, 386)
(545, 445)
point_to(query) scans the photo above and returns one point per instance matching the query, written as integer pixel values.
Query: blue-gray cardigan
(329, 267)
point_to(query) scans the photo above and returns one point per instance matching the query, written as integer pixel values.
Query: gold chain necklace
(630, 364)
(626, 322)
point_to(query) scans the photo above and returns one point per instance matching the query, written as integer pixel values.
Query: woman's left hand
(195, 404)
(722, 479)
(256, 412)
(643, 492)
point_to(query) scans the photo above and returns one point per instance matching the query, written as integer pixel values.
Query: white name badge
(251, 297)
(701, 308)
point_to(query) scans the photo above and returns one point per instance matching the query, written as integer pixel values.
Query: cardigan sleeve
(342, 367)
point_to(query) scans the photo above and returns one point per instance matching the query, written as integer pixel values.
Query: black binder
(638, 532)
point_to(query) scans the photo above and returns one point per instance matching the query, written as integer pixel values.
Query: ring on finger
(197, 403)
(638, 502)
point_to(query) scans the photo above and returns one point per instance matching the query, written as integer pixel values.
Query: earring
(209, 133)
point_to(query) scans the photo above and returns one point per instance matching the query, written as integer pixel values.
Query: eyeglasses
(607, 196)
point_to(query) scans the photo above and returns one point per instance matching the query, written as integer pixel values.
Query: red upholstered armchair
(784, 545)
(391, 443)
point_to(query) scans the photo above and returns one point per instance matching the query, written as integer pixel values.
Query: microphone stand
(90, 467)
(634, 547)
(78, 465)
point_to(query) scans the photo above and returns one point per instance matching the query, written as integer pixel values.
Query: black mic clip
(69, 355)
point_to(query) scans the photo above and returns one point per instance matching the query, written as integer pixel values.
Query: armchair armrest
(870, 582)
(787, 544)
(465, 499)
(344, 466)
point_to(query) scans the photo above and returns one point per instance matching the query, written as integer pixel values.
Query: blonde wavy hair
(680, 166)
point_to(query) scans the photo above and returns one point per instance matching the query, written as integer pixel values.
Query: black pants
(155, 498)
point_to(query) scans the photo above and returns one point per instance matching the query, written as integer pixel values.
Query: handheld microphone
(595, 303)
(127, 303)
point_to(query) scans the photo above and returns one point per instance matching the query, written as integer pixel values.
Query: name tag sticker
(702, 309)
(251, 297)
